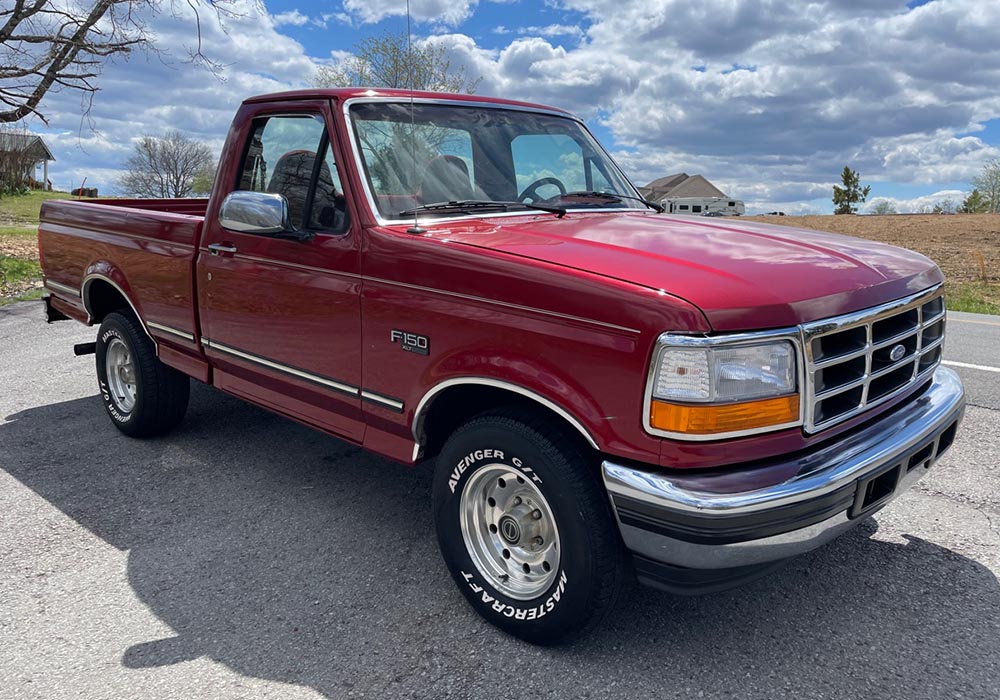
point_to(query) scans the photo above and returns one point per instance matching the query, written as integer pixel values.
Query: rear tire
(526, 529)
(142, 396)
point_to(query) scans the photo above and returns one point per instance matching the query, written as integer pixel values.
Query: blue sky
(769, 99)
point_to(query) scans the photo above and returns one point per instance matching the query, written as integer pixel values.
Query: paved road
(246, 556)
(973, 350)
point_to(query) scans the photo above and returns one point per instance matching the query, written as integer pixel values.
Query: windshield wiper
(468, 206)
(658, 208)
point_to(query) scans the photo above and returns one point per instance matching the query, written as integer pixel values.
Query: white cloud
(531, 68)
(323, 20)
(551, 30)
(292, 17)
(768, 98)
(917, 205)
(446, 12)
(775, 106)
(150, 94)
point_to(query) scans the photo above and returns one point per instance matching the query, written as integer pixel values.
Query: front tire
(142, 396)
(525, 528)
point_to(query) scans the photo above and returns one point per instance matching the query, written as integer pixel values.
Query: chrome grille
(859, 360)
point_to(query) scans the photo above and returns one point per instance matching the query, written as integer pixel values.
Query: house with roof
(30, 151)
(691, 194)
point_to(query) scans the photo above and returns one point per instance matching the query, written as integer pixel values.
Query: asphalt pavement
(247, 556)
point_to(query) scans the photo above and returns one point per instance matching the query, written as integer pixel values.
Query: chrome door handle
(219, 248)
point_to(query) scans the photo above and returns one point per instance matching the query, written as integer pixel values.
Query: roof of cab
(347, 93)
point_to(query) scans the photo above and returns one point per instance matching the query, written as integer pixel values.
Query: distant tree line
(983, 199)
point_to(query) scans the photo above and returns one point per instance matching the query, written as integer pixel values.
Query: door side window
(281, 158)
(328, 208)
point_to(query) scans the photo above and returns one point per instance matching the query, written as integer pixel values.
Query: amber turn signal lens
(723, 418)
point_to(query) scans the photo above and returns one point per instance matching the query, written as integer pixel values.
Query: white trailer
(711, 206)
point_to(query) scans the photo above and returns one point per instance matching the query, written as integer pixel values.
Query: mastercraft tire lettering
(524, 527)
(141, 395)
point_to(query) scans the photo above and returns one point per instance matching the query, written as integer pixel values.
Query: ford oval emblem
(897, 352)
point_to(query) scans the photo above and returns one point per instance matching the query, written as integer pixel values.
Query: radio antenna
(416, 229)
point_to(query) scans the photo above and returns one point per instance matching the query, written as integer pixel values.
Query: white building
(27, 151)
(691, 194)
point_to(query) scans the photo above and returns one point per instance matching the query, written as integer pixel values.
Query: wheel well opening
(103, 298)
(459, 404)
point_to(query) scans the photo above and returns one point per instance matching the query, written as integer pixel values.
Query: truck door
(280, 318)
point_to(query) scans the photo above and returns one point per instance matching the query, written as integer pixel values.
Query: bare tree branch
(44, 44)
(389, 61)
(169, 166)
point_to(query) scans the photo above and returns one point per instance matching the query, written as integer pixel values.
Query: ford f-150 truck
(607, 390)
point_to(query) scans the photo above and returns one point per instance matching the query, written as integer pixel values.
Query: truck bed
(144, 247)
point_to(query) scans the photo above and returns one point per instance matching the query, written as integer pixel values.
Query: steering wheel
(531, 191)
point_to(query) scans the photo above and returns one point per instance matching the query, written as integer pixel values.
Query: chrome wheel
(509, 531)
(121, 374)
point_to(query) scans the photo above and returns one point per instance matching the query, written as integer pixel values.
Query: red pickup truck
(607, 391)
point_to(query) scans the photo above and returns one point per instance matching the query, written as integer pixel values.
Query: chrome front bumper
(747, 518)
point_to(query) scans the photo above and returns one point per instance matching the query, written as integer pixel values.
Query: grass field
(965, 246)
(20, 275)
(23, 211)
(19, 279)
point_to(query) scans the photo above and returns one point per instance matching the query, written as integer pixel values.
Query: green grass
(14, 269)
(23, 209)
(18, 231)
(974, 297)
(17, 279)
(21, 243)
(31, 295)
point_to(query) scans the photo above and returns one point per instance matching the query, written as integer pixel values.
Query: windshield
(426, 154)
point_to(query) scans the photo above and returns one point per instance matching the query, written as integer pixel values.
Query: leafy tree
(48, 45)
(390, 61)
(975, 203)
(988, 184)
(882, 208)
(846, 198)
(204, 179)
(166, 166)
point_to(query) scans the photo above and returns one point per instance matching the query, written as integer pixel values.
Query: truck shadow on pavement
(290, 556)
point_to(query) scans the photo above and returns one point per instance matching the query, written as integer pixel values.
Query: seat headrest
(445, 179)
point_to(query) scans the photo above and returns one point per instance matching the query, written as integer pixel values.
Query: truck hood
(742, 275)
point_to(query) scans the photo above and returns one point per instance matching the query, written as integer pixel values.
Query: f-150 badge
(411, 342)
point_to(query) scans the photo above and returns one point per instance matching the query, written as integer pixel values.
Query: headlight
(715, 390)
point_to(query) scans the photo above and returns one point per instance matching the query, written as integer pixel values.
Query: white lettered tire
(142, 396)
(525, 527)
